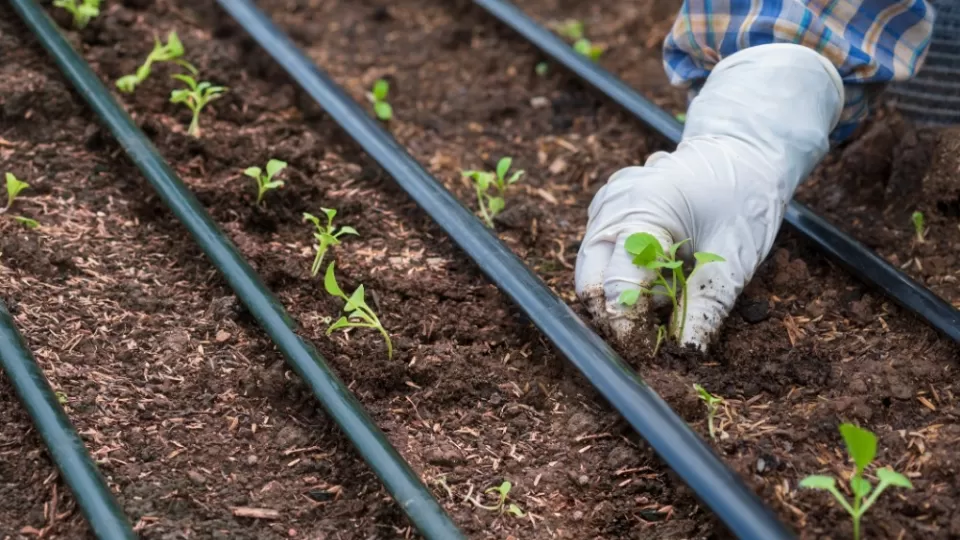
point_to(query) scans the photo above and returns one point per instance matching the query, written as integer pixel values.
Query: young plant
(82, 12)
(265, 181)
(919, 228)
(172, 51)
(648, 253)
(661, 337)
(585, 47)
(501, 506)
(493, 204)
(713, 406)
(358, 313)
(14, 187)
(862, 448)
(574, 30)
(542, 69)
(378, 96)
(195, 97)
(326, 236)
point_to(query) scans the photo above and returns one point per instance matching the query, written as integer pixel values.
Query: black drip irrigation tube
(96, 502)
(860, 260)
(399, 479)
(670, 437)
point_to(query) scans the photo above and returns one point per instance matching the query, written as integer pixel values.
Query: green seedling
(493, 204)
(570, 29)
(14, 187)
(172, 51)
(378, 96)
(681, 117)
(326, 236)
(585, 47)
(919, 227)
(713, 407)
(501, 506)
(82, 12)
(648, 253)
(573, 30)
(862, 448)
(358, 313)
(196, 96)
(542, 69)
(265, 181)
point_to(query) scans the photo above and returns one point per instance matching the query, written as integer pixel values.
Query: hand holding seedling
(265, 180)
(358, 313)
(725, 188)
(862, 448)
(196, 96)
(14, 187)
(82, 12)
(326, 236)
(491, 188)
(172, 51)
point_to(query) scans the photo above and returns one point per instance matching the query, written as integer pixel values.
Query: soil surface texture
(202, 430)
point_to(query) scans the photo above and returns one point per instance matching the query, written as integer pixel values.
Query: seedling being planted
(919, 227)
(326, 236)
(378, 96)
(265, 181)
(358, 313)
(648, 253)
(503, 492)
(172, 51)
(14, 187)
(713, 406)
(493, 204)
(862, 448)
(82, 12)
(196, 96)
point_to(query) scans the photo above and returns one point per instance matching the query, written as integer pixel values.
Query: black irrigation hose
(666, 432)
(859, 259)
(97, 504)
(412, 496)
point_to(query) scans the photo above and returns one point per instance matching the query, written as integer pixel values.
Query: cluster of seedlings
(491, 188)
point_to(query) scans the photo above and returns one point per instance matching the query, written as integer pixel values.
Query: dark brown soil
(191, 412)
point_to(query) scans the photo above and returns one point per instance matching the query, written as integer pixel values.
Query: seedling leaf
(503, 166)
(342, 322)
(860, 486)
(14, 187)
(703, 257)
(346, 229)
(355, 301)
(383, 110)
(819, 481)
(861, 445)
(515, 510)
(629, 297)
(27, 222)
(644, 246)
(380, 89)
(274, 166)
(330, 283)
(252, 172)
(893, 478)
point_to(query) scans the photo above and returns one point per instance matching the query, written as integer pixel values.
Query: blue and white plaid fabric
(870, 41)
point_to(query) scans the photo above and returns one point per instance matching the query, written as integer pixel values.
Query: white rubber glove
(759, 125)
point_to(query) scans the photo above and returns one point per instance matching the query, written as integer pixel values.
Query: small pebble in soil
(539, 102)
(754, 311)
(196, 478)
(578, 515)
(252, 460)
(583, 480)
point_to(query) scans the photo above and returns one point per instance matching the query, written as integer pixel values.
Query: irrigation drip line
(99, 507)
(666, 432)
(402, 483)
(860, 260)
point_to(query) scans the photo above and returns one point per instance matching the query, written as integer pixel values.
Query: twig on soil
(255, 513)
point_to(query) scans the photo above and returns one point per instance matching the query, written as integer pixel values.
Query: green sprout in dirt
(358, 313)
(501, 506)
(14, 187)
(542, 69)
(378, 96)
(493, 204)
(574, 30)
(195, 97)
(265, 181)
(648, 253)
(82, 12)
(172, 51)
(919, 227)
(326, 235)
(862, 448)
(713, 407)
(661, 337)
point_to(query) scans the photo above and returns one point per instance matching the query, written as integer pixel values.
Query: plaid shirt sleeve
(869, 41)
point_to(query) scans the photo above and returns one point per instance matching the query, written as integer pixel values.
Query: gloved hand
(759, 125)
